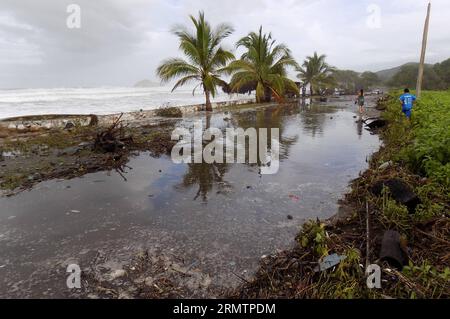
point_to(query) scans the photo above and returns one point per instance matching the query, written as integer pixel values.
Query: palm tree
(263, 67)
(206, 58)
(316, 72)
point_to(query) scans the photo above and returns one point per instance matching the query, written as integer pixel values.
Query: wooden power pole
(424, 50)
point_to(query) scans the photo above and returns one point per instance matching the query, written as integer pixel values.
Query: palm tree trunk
(267, 95)
(311, 90)
(208, 101)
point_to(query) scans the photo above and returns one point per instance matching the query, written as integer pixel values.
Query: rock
(84, 144)
(290, 217)
(393, 251)
(73, 150)
(118, 273)
(124, 295)
(376, 124)
(149, 281)
(400, 191)
(385, 165)
(69, 125)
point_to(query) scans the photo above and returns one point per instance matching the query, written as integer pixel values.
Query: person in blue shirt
(407, 100)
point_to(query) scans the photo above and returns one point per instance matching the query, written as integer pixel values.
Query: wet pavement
(218, 219)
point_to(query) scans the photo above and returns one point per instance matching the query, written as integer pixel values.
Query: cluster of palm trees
(262, 67)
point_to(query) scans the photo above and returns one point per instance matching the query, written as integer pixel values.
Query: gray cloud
(121, 42)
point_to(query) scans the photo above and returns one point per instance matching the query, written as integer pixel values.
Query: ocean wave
(96, 100)
(53, 95)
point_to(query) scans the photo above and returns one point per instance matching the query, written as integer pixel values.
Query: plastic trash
(329, 262)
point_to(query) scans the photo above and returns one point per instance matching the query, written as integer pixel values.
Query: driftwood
(112, 140)
(367, 235)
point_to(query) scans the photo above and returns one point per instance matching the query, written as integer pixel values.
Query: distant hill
(146, 84)
(386, 75)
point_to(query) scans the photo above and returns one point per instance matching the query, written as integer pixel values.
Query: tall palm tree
(206, 59)
(263, 67)
(316, 72)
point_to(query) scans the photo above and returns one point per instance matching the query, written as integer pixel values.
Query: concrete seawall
(47, 122)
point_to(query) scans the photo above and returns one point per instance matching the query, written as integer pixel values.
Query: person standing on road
(407, 100)
(360, 100)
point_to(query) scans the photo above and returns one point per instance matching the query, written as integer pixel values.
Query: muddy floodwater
(217, 219)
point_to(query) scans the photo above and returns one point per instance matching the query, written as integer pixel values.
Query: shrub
(169, 112)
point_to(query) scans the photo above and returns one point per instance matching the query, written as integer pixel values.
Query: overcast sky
(122, 41)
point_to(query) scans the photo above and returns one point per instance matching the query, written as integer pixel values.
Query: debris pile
(113, 139)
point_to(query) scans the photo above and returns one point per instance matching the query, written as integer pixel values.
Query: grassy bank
(417, 153)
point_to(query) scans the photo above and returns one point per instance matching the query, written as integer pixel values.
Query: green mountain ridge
(387, 74)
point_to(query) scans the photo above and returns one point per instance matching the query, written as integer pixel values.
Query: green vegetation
(425, 142)
(407, 77)
(420, 150)
(426, 280)
(347, 80)
(369, 79)
(314, 236)
(56, 139)
(346, 282)
(443, 71)
(317, 73)
(206, 58)
(436, 77)
(263, 67)
(351, 81)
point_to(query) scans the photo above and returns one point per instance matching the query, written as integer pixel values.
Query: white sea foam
(104, 100)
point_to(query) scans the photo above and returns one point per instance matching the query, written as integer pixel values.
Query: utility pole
(424, 50)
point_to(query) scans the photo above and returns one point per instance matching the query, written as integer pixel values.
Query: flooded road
(217, 220)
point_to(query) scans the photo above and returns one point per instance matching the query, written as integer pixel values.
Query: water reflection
(206, 176)
(360, 126)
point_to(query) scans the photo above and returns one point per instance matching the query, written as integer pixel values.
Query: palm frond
(183, 81)
(173, 68)
(265, 63)
(205, 59)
